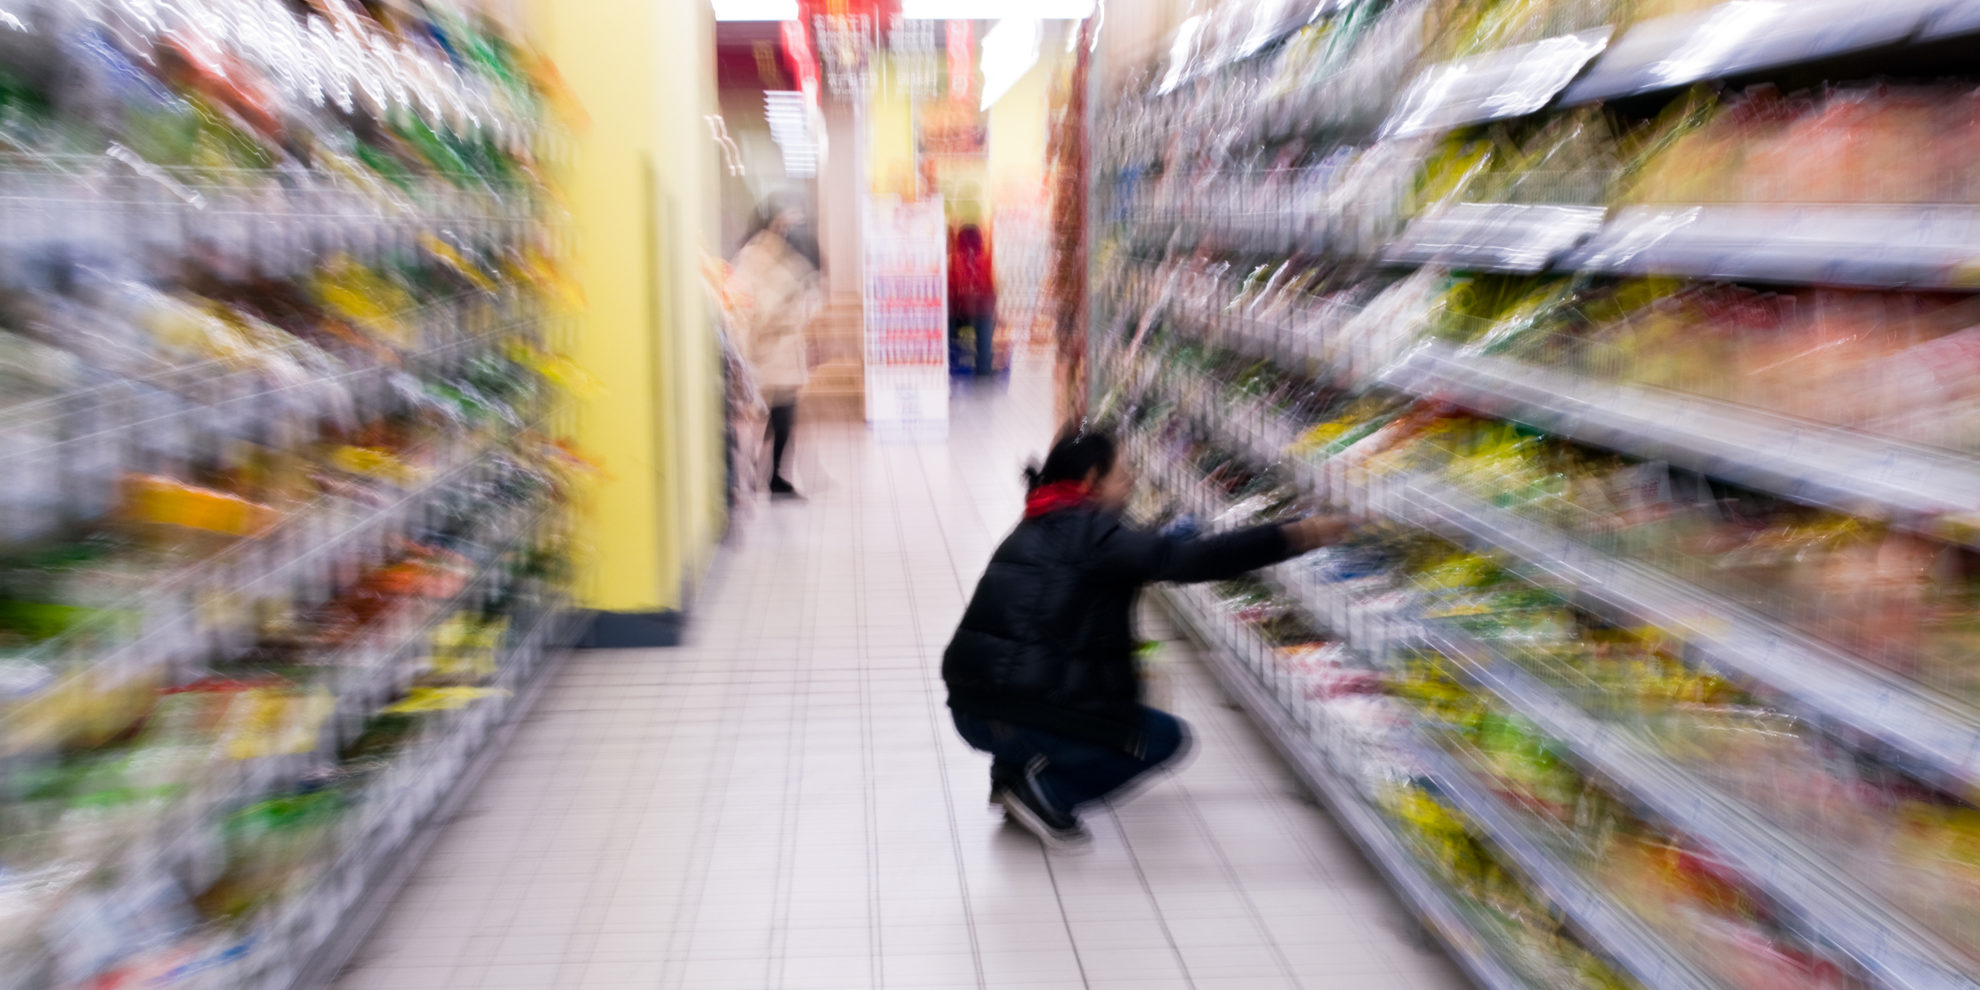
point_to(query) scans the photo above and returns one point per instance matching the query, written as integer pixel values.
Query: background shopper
(973, 296)
(775, 292)
(1041, 673)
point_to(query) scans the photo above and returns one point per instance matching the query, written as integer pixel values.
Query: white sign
(907, 305)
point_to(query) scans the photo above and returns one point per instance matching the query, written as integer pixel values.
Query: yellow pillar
(640, 186)
(1019, 121)
(890, 158)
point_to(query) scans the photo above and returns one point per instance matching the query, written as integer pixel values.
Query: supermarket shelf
(1923, 246)
(222, 381)
(1842, 469)
(1732, 39)
(1932, 491)
(301, 553)
(1873, 932)
(1620, 936)
(366, 678)
(1741, 37)
(1510, 82)
(1939, 733)
(286, 222)
(403, 797)
(309, 942)
(1500, 237)
(1421, 892)
(376, 673)
(1260, 38)
(1264, 434)
(1870, 931)
(1870, 246)
(85, 440)
(1248, 232)
(1290, 343)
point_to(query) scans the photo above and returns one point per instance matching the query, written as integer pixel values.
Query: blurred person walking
(774, 289)
(1042, 673)
(973, 296)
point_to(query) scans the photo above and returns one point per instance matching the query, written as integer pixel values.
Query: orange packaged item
(150, 499)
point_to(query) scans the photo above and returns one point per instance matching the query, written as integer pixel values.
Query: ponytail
(1077, 454)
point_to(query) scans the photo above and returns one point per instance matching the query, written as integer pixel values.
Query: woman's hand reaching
(1314, 532)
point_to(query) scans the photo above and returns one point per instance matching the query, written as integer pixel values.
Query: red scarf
(1055, 496)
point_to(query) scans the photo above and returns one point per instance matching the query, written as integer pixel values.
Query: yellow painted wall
(890, 158)
(1018, 129)
(640, 186)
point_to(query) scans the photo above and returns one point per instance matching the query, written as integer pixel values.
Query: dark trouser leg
(986, 343)
(1076, 772)
(782, 419)
(956, 322)
(1086, 773)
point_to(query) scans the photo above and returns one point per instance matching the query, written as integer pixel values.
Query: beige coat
(775, 293)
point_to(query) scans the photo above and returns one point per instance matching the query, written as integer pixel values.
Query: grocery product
(1642, 357)
(282, 519)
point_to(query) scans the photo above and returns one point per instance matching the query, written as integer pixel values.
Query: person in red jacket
(973, 295)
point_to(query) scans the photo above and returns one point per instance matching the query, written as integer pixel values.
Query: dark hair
(800, 238)
(1078, 453)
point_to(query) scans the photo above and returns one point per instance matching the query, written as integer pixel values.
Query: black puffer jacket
(1048, 639)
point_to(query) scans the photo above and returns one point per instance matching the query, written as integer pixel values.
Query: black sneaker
(779, 488)
(1000, 776)
(1026, 805)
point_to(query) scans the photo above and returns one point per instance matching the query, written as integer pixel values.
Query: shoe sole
(1028, 820)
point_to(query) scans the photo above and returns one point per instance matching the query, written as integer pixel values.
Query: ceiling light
(1009, 51)
(789, 116)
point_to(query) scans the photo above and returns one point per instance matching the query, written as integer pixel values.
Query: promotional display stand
(907, 302)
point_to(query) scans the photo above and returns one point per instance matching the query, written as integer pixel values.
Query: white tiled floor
(782, 802)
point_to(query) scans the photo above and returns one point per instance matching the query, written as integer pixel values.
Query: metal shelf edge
(1431, 904)
(1619, 936)
(1856, 920)
(1691, 429)
(1841, 688)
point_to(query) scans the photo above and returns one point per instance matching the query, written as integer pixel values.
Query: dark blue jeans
(1077, 772)
(985, 324)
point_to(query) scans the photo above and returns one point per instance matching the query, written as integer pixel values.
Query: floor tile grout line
(1208, 834)
(1059, 898)
(942, 767)
(1303, 839)
(507, 925)
(793, 792)
(1161, 917)
(674, 964)
(874, 941)
(633, 820)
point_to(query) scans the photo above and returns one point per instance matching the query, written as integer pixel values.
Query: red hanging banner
(797, 52)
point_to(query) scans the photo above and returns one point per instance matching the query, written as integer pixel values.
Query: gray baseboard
(630, 630)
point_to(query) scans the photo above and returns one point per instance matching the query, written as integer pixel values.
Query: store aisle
(782, 803)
